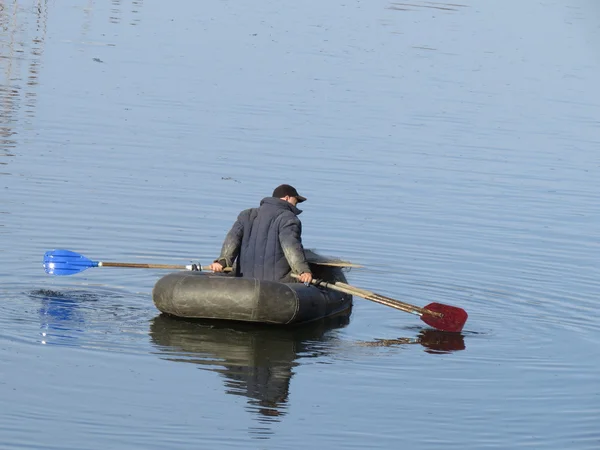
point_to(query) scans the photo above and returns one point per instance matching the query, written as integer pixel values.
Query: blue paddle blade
(66, 262)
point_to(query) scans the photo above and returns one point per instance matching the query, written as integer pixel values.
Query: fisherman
(266, 242)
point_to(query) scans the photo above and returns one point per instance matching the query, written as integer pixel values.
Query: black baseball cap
(285, 189)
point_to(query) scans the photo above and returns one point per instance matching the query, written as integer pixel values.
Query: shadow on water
(116, 11)
(256, 361)
(18, 91)
(23, 34)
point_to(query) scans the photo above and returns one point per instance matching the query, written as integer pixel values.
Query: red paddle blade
(453, 318)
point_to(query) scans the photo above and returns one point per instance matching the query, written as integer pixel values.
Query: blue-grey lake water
(451, 149)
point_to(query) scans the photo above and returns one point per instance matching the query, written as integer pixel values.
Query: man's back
(270, 233)
(266, 241)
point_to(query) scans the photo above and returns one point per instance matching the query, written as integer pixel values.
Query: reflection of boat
(256, 360)
(434, 341)
(202, 296)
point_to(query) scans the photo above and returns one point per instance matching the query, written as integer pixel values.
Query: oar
(314, 258)
(437, 315)
(66, 262)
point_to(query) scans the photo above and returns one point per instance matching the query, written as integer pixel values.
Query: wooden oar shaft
(373, 298)
(314, 258)
(348, 289)
(157, 266)
(142, 266)
(391, 301)
(226, 269)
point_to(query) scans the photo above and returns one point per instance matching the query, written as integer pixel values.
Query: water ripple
(102, 319)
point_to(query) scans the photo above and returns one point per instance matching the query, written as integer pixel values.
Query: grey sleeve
(290, 238)
(231, 245)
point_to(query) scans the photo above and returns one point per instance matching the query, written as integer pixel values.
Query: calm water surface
(452, 149)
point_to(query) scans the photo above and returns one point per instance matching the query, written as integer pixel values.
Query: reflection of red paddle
(434, 341)
(437, 315)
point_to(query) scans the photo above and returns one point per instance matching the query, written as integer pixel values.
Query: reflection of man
(271, 410)
(255, 362)
(267, 386)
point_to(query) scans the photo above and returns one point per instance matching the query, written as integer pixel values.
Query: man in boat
(267, 241)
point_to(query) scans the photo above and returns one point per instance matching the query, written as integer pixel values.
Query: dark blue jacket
(267, 242)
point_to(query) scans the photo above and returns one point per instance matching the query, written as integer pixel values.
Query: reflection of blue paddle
(66, 262)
